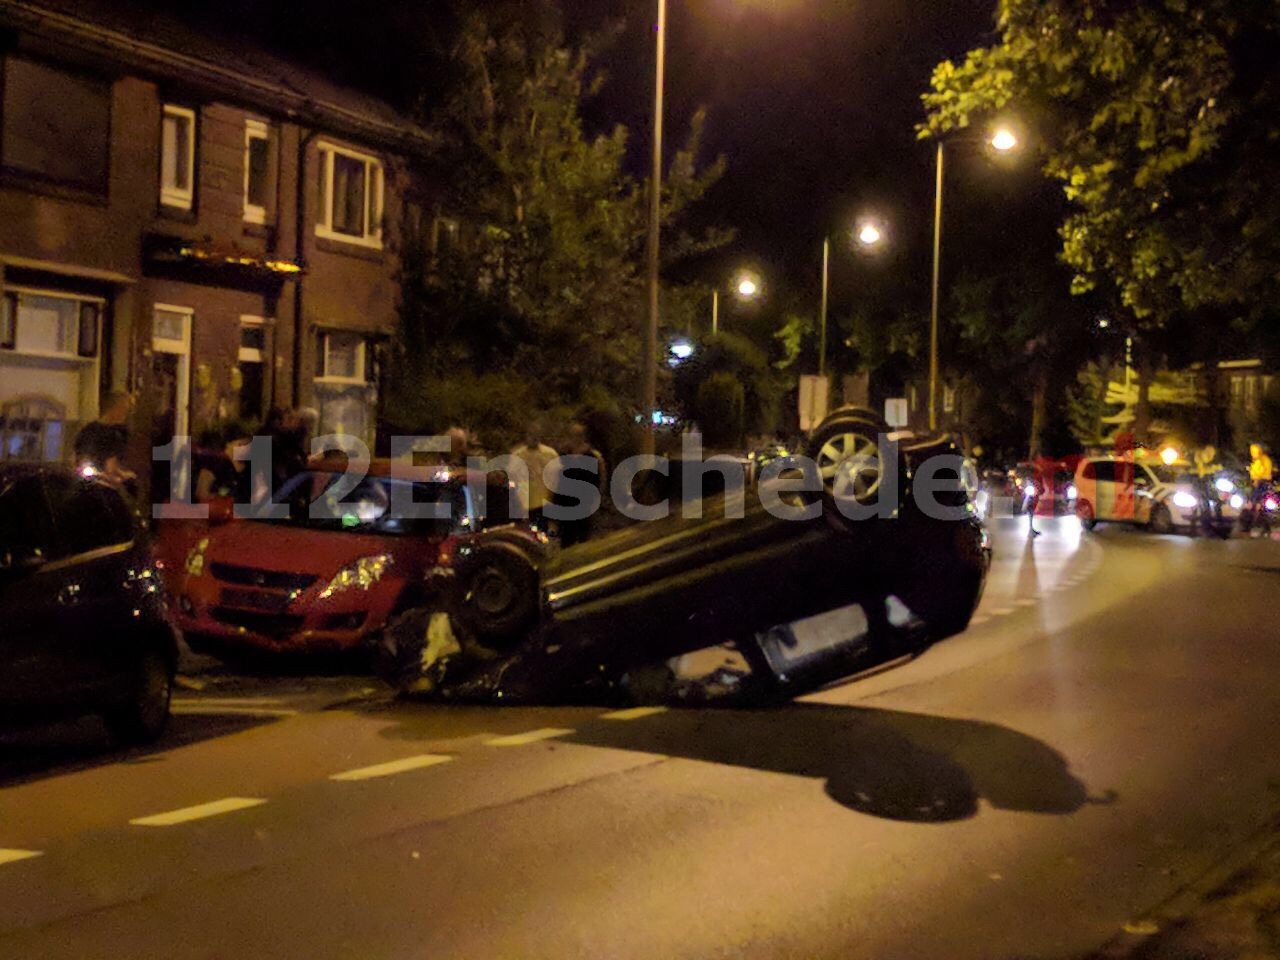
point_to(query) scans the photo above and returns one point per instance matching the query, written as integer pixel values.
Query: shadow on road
(35, 753)
(884, 763)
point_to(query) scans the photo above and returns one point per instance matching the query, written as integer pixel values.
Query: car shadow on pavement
(883, 763)
(35, 753)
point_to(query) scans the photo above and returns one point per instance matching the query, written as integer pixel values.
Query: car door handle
(69, 595)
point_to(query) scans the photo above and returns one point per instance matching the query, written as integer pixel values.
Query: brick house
(212, 228)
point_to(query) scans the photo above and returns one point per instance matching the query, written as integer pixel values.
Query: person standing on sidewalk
(535, 455)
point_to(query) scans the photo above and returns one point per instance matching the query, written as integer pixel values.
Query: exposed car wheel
(845, 449)
(142, 718)
(1161, 520)
(1084, 512)
(498, 594)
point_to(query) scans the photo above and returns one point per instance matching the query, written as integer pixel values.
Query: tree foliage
(543, 285)
(1161, 121)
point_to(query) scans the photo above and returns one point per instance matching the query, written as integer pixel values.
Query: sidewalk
(1235, 917)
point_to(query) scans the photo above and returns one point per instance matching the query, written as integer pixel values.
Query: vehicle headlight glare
(1185, 501)
(1237, 502)
(1224, 485)
(1072, 492)
(361, 575)
(195, 559)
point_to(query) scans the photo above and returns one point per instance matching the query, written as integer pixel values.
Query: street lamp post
(649, 399)
(747, 287)
(1003, 140)
(869, 235)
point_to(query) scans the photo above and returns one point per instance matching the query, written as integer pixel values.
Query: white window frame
(254, 130)
(73, 356)
(374, 194)
(362, 360)
(252, 354)
(177, 197)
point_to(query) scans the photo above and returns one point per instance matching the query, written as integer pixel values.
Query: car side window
(26, 526)
(1103, 471)
(1141, 478)
(88, 516)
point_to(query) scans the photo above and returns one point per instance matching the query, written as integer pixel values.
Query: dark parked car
(83, 622)
(806, 601)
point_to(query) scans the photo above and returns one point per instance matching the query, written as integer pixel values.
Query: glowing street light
(747, 286)
(870, 235)
(1004, 140)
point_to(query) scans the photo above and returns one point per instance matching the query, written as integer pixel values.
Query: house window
(342, 358)
(51, 325)
(948, 399)
(49, 370)
(178, 158)
(56, 126)
(351, 197)
(913, 398)
(253, 367)
(345, 393)
(258, 200)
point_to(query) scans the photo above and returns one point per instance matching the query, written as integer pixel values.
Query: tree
(542, 290)
(1160, 121)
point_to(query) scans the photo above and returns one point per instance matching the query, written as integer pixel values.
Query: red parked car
(327, 573)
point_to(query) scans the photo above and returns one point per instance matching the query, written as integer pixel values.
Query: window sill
(177, 214)
(353, 249)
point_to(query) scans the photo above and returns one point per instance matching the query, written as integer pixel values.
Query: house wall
(97, 244)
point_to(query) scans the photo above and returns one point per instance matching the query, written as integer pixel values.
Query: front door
(171, 381)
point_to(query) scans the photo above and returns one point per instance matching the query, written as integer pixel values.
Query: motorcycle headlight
(1184, 500)
(1029, 489)
(195, 559)
(1237, 502)
(361, 575)
(1223, 485)
(1072, 492)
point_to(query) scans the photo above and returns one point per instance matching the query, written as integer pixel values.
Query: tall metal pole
(937, 273)
(822, 317)
(649, 400)
(715, 313)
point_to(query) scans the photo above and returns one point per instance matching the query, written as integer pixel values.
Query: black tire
(143, 716)
(497, 597)
(1161, 521)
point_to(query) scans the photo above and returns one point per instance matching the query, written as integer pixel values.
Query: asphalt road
(1100, 739)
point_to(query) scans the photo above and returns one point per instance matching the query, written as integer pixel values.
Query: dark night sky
(814, 102)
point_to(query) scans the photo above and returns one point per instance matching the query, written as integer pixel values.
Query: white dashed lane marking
(533, 736)
(1026, 602)
(1001, 611)
(201, 812)
(13, 856)
(635, 713)
(392, 768)
(979, 621)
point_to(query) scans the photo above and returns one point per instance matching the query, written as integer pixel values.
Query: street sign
(897, 413)
(814, 401)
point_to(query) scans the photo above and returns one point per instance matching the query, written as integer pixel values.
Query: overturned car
(864, 551)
